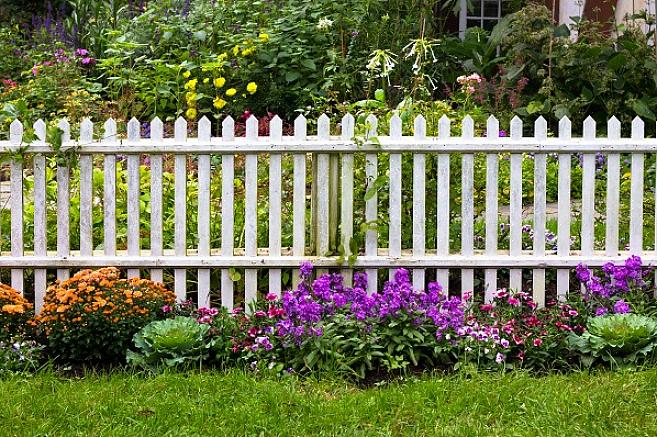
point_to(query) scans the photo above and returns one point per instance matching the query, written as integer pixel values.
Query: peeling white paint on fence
(336, 207)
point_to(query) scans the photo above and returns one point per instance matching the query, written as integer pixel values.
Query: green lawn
(620, 404)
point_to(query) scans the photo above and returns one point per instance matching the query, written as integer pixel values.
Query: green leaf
(309, 64)
(534, 107)
(380, 95)
(642, 109)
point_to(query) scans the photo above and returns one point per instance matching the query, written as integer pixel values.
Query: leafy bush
(177, 342)
(92, 317)
(618, 339)
(15, 312)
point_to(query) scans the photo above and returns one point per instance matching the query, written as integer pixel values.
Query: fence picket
(540, 193)
(276, 134)
(419, 200)
(203, 225)
(371, 214)
(347, 196)
(109, 189)
(636, 192)
(16, 183)
(299, 197)
(442, 206)
(492, 172)
(467, 206)
(395, 204)
(563, 210)
(588, 192)
(613, 191)
(63, 203)
(251, 210)
(86, 190)
(227, 213)
(180, 214)
(515, 205)
(323, 181)
(157, 135)
(40, 224)
(134, 201)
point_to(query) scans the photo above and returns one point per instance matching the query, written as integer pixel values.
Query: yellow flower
(252, 87)
(230, 92)
(191, 114)
(206, 80)
(248, 51)
(219, 82)
(223, 56)
(186, 74)
(263, 37)
(219, 103)
(191, 85)
(236, 50)
(190, 97)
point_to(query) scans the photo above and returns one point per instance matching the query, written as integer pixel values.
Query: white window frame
(465, 15)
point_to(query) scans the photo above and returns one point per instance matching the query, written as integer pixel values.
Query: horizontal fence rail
(228, 218)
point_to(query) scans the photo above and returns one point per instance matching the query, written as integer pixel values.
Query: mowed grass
(236, 404)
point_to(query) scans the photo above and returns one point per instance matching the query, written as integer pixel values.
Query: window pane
(475, 10)
(491, 8)
(489, 24)
(473, 23)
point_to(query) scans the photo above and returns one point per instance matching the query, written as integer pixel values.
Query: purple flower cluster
(312, 303)
(615, 280)
(611, 289)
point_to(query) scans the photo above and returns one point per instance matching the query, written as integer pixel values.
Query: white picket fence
(333, 201)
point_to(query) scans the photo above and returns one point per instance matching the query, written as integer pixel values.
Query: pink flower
(260, 313)
(573, 313)
(271, 297)
(486, 307)
(166, 309)
(513, 301)
(537, 342)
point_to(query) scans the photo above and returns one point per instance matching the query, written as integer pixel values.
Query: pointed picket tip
(180, 129)
(65, 127)
(420, 126)
(300, 127)
(109, 129)
(565, 127)
(467, 127)
(228, 129)
(637, 127)
(86, 130)
(613, 128)
(40, 130)
(16, 127)
(252, 127)
(540, 128)
(516, 127)
(204, 128)
(395, 126)
(347, 127)
(133, 129)
(444, 129)
(276, 128)
(323, 126)
(157, 128)
(492, 127)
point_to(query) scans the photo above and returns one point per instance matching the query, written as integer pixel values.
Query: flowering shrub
(93, 316)
(324, 325)
(618, 289)
(15, 311)
(512, 332)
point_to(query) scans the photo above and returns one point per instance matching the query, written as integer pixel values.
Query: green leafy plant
(620, 339)
(171, 342)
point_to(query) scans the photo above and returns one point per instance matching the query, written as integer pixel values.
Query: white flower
(324, 23)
